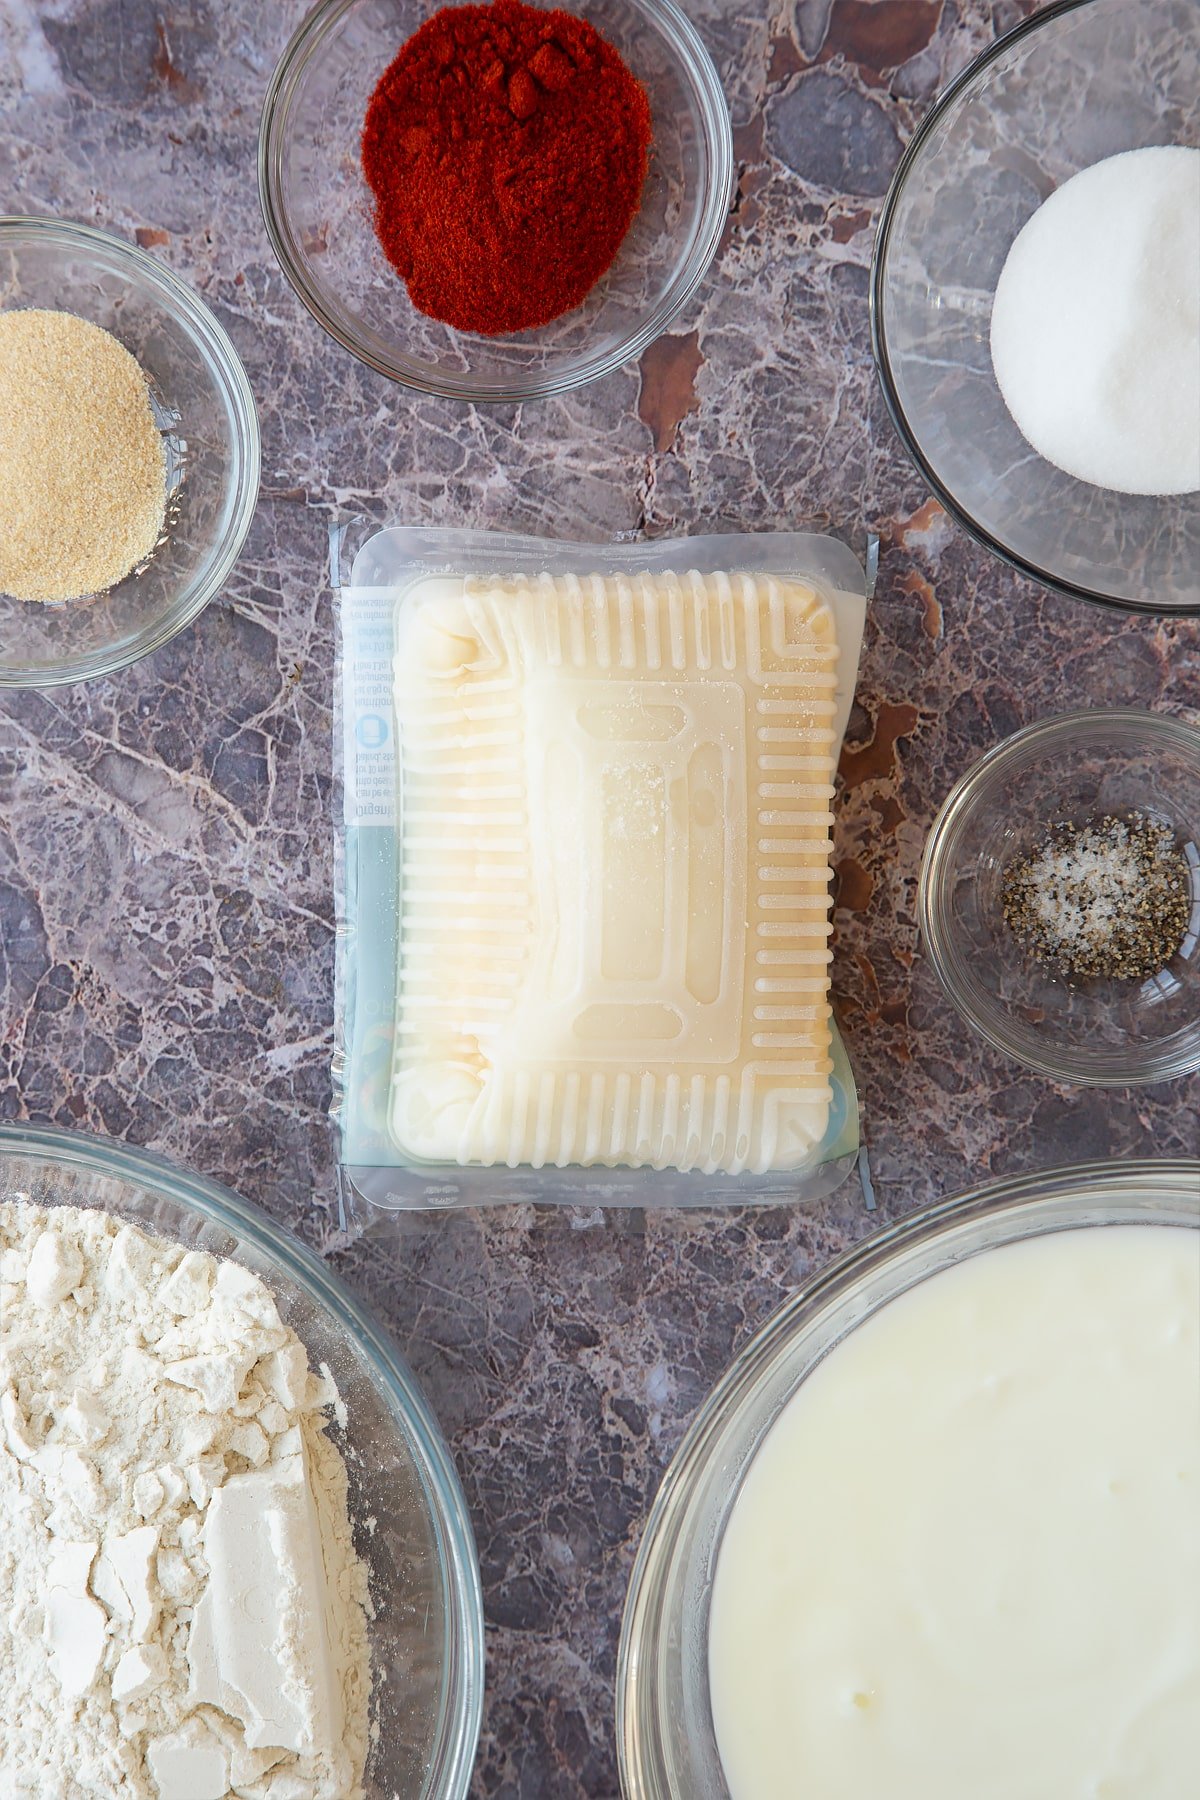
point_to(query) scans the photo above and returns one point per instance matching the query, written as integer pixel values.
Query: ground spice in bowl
(1108, 899)
(82, 467)
(506, 148)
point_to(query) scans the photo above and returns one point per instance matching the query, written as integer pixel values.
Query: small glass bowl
(426, 1637)
(1077, 81)
(666, 1744)
(318, 208)
(205, 410)
(1102, 1033)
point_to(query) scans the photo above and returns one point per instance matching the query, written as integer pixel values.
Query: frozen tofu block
(615, 871)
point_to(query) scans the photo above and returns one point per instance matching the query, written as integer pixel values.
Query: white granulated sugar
(1096, 324)
(182, 1614)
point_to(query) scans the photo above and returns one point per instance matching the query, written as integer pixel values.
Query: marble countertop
(166, 929)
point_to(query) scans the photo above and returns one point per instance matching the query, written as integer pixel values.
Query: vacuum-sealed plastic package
(583, 870)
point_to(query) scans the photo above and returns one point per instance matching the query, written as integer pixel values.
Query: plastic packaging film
(583, 869)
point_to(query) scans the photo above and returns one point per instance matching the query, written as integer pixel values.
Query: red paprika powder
(506, 148)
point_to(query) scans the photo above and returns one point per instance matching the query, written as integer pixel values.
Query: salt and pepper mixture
(1107, 899)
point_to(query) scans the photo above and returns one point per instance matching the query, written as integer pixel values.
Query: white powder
(182, 1614)
(1096, 324)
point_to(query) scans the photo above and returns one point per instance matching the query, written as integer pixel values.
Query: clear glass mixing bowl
(1078, 81)
(427, 1636)
(1102, 1033)
(205, 410)
(665, 1740)
(318, 208)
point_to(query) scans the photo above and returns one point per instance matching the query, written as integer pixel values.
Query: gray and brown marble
(166, 929)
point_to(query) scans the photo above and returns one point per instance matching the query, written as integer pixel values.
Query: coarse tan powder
(82, 470)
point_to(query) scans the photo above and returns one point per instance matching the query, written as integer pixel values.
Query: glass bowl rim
(1059, 584)
(226, 367)
(1172, 731)
(1147, 1181)
(674, 25)
(218, 1205)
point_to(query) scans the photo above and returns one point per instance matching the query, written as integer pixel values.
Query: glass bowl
(1076, 82)
(427, 1636)
(665, 1741)
(205, 410)
(1102, 1033)
(318, 208)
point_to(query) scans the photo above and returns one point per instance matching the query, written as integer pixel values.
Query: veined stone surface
(166, 909)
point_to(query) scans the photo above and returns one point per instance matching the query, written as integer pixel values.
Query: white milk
(965, 1563)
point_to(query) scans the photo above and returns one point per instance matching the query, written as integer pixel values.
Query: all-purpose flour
(182, 1614)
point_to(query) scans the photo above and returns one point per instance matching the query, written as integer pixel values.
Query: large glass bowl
(318, 208)
(665, 1739)
(205, 411)
(1078, 81)
(1067, 768)
(427, 1635)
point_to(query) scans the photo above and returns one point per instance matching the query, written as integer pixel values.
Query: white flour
(182, 1615)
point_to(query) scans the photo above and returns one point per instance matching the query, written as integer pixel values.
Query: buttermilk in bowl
(965, 1559)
